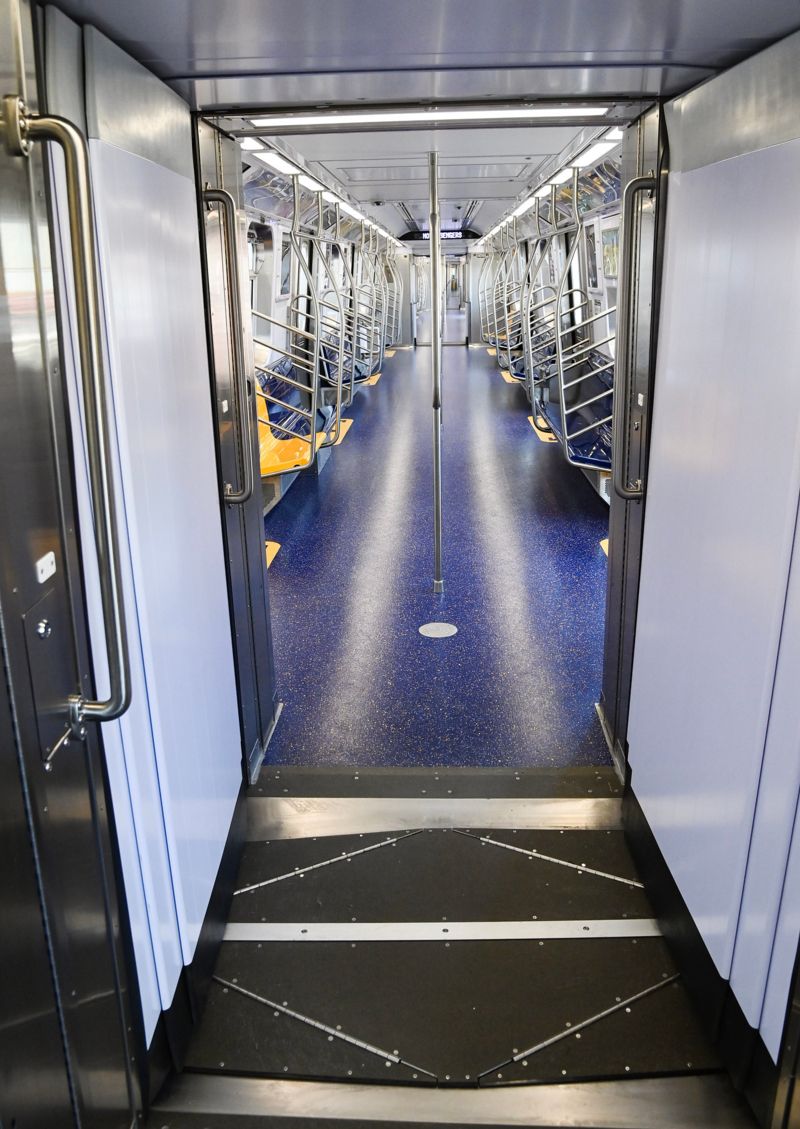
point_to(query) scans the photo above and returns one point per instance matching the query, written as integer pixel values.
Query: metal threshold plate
(292, 817)
(702, 1102)
(363, 931)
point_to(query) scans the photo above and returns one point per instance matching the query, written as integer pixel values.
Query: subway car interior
(399, 613)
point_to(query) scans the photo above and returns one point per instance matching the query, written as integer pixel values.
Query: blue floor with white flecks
(524, 575)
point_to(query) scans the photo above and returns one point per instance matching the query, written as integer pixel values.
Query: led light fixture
(402, 117)
(309, 182)
(524, 207)
(593, 154)
(356, 215)
(251, 144)
(277, 162)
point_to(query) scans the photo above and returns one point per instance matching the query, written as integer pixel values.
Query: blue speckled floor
(524, 583)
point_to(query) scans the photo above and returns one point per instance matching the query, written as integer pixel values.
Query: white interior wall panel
(784, 952)
(128, 742)
(140, 144)
(722, 499)
(766, 940)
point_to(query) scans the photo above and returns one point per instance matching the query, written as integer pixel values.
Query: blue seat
(593, 448)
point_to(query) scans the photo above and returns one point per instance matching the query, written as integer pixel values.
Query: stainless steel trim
(292, 817)
(701, 1102)
(622, 391)
(331, 1032)
(21, 129)
(227, 206)
(551, 858)
(592, 1019)
(447, 931)
(436, 356)
(345, 856)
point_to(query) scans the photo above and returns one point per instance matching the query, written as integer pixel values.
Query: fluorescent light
(251, 144)
(615, 134)
(540, 193)
(351, 211)
(279, 163)
(309, 183)
(561, 177)
(593, 154)
(399, 117)
(330, 197)
(524, 207)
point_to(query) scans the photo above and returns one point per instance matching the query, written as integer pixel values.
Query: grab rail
(228, 217)
(630, 491)
(21, 128)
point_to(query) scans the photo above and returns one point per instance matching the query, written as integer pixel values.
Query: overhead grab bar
(21, 128)
(227, 206)
(630, 491)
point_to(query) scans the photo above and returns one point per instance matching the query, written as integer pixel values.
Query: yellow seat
(280, 455)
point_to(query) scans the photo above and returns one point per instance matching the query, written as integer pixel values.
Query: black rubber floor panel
(457, 1011)
(437, 875)
(463, 783)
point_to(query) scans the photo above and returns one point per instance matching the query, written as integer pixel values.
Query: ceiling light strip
(408, 117)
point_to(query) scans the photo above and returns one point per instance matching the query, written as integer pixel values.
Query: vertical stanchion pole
(436, 354)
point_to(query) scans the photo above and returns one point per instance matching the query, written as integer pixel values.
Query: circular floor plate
(438, 630)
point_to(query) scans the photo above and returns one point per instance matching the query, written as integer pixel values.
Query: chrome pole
(436, 353)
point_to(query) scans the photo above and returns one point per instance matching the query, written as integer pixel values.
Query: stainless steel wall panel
(750, 107)
(127, 106)
(67, 840)
(63, 64)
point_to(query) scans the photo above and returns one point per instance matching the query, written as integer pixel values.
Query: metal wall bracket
(15, 126)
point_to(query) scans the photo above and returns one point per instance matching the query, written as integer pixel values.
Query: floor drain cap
(438, 630)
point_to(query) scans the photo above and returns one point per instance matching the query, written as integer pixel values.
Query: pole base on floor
(438, 586)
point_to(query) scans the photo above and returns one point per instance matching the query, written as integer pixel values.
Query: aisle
(524, 583)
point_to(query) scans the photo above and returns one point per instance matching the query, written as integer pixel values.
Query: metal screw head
(44, 629)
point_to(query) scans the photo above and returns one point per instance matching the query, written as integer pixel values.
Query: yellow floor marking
(272, 551)
(545, 436)
(388, 352)
(492, 352)
(373, 379)
(344, 427)
(507, 377)
(604, 545)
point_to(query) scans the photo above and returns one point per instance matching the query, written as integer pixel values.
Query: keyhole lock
(44, 629)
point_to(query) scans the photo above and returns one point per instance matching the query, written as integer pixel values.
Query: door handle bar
(622, 379)
(227, 206)
(21, 128)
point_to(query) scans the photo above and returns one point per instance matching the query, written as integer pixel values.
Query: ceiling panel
(584, 44)
(489, 164)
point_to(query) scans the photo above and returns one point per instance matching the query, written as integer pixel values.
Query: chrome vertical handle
(622, 377)
(228, 214)
(21, 128)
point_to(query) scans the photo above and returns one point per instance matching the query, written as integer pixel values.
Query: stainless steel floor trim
(580, 866)
(344, 856)
(575, 1028)
(292, 817)
(441, 931)
(701, 1102)
(331, 1032)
